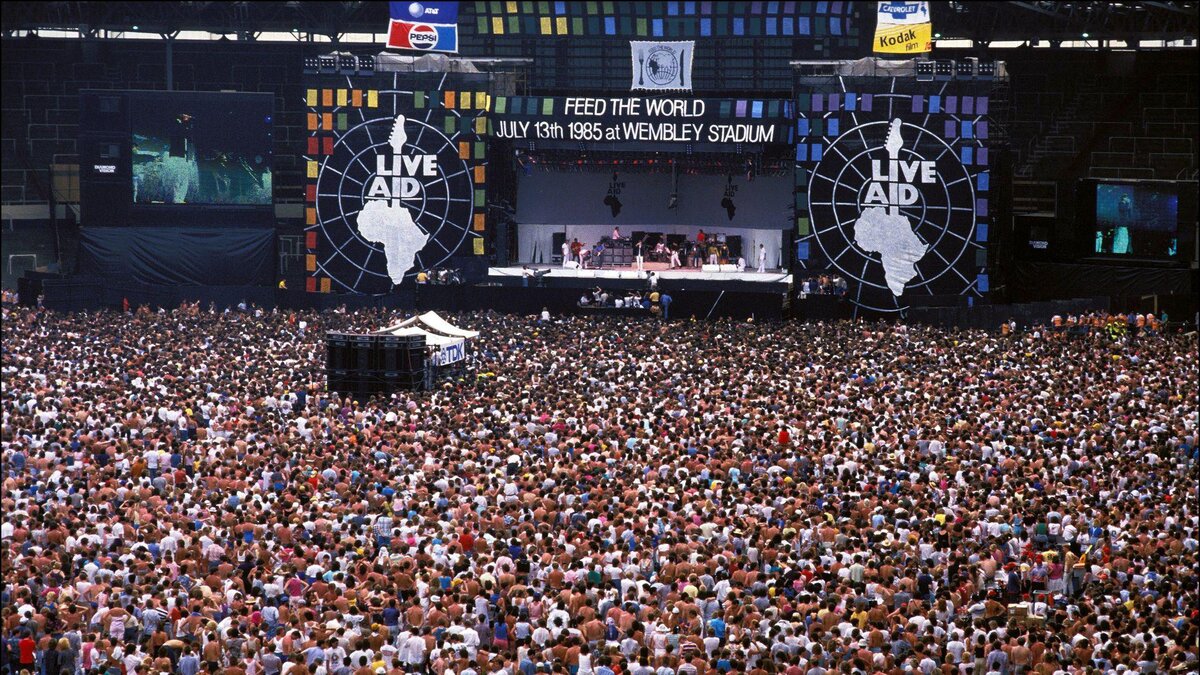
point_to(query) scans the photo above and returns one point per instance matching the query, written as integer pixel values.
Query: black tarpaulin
(179, 256)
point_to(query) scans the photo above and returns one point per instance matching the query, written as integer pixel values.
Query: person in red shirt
(25, 649)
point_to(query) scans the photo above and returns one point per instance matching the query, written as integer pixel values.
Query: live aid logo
(892, 184)
(400, 180)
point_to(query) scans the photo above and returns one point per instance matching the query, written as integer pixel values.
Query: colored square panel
(705, 27)
(325, 285)
(981, 105)
(477, 246)
(968, 105)
(372, 98)
(981, 157)
(981, 182)
(868, 102)
(310, 263)
(501, 104)
(739, 25)
(449, 125)
(312, 167)
(327, 145)
(982, 283)
(547, 106)
(818, 126)
(981, 232)
(327, 98)
(802, 126)
(577, 25)
(464, 100)
(340, 123)
(967, 155)
(952, 105)
(833, 127)
(772, 25)
(756, 109)
(672, 9)
(560, 25)
(981, 207)
(741, 109)
(482, 25)
(356, 98)
(981, 129)
(935, 104)
(546, 26)
(341, 97)
(481, 100)
(310, 98)
(480, 174)
(950, 130)
(418, 99)
(310, 238)
(510, 7)
(802, 26)
(803, 103)
(643, 28)
(327, 121)
(818, 103)
(835, 26)
(514, 24)
(310, 218)
(968, 129)
(314, 146)
(802, 226)
(480, 223)
(835, 102)
(816, 152)
(464, 150)
(481, 125)
(480, 198)
(310, 285)
(851, 102)
(480, 150)
(312, 122)
(656, 28)
(498, 25)
(449, 99)
(610, 25)
(801, 152)
(918, 104)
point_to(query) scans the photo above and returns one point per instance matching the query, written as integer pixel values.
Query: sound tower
(359, 365)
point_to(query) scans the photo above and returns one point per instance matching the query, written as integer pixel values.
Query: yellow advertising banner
(910, 39)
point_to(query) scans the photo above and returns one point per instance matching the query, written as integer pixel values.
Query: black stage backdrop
(214, 256)
(642, 199)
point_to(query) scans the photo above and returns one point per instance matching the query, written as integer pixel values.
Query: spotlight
(1085, 36)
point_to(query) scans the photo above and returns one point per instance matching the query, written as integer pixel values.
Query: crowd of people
(596, 496)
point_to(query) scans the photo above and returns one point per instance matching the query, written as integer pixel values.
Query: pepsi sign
(424, 26)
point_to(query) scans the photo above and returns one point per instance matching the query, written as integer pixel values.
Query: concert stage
(709, 277)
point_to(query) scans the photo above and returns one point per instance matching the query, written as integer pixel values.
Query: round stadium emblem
(423, 36)
(893, 208)
(396, 192)
(662, 66)
(416, 10)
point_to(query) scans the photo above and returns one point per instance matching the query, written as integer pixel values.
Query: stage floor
(725, 273)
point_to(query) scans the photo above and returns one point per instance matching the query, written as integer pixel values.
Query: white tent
(447, 342)
(433, 323)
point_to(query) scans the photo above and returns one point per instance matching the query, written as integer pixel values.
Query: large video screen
(1137, 219)
(201, 148)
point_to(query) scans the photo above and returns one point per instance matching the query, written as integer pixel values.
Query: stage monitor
(201, 149)
(1130, 219)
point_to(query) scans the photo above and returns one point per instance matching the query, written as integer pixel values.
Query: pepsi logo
(423, 37)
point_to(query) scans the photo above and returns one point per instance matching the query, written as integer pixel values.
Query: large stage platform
(709, 277)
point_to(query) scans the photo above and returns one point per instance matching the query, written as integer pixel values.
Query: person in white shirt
(762, 258)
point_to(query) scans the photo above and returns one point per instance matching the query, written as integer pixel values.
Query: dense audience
(597, 496)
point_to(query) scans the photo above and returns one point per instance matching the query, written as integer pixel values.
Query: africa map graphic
(392, 226)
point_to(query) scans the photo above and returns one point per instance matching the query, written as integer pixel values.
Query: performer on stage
(637, 253)
(577, 251)
(616, 234)
(714, 257)
(762, 258)
(566, 253)
(660, 251)
(675, 258)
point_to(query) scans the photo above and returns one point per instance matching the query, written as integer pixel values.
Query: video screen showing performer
(1137, 219)
(197, 151)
